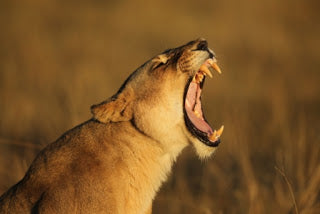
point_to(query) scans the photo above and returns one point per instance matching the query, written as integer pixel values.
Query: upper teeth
(198, 77)
(213, 64)
(204, 70)
(216, 67)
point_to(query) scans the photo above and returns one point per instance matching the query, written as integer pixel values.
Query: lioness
(117, 161)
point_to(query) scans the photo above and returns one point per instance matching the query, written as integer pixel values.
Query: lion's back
(77, 165)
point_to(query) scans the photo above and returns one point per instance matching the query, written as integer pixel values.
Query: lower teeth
(216, 134)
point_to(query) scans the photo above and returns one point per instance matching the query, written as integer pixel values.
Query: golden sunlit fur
(116, 161)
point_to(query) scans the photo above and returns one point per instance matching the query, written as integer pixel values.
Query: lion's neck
(149, 168)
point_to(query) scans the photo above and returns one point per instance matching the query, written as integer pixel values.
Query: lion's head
(162, 99)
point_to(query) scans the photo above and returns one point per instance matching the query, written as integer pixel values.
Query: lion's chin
(203, 151)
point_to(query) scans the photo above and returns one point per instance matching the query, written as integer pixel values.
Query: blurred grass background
(59, 57)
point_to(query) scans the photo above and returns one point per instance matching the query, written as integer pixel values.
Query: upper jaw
(210, 65)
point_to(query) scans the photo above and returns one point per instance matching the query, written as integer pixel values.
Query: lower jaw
(195, 132)
(201, 136)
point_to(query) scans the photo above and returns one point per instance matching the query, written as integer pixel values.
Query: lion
(116, 161)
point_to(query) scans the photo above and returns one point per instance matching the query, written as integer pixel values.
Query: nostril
(203, 45)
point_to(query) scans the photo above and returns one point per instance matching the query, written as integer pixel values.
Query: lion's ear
(115, 109)
(161, 59)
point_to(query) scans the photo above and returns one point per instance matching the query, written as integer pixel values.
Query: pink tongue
(193, 104)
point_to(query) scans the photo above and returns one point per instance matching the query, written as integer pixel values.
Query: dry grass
(58, 58)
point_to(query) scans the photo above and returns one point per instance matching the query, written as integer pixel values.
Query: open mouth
(193, 114)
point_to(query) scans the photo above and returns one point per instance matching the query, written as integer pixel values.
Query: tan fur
(116, 161)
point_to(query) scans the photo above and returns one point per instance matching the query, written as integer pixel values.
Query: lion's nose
(203, 45)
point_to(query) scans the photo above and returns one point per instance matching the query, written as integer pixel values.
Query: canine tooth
(216, 67)
(216, 134)
(213, 137)
(205, 70)
(210, 61)
(219, 132)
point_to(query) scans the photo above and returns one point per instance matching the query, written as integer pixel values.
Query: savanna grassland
(59, 57)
